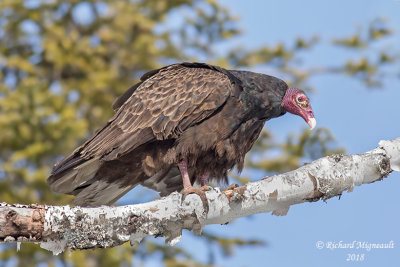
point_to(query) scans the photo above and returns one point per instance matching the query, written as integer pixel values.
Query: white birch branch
(59, 227)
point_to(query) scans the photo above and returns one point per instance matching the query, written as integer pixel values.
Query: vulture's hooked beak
(312, 122)
(308, 116)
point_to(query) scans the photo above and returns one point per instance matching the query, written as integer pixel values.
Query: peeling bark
(58, 228)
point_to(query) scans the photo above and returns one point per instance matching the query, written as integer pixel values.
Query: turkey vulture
(180, 124)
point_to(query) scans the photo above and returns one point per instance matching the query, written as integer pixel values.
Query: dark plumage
(192, 116)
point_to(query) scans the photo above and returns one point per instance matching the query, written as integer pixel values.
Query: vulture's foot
(200, 192)
(231, 187)
(229, 191)
(189, 189)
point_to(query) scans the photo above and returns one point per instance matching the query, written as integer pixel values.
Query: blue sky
(358, 118)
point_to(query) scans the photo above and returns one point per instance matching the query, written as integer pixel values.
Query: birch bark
(59, 227)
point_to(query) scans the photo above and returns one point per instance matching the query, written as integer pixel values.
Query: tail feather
(96, 182)
(67, 179)
(101, 192)
(67, 163)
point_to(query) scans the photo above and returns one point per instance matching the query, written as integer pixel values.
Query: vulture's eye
(300, 99)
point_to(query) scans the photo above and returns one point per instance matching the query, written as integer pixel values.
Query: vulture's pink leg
(185, 175)
(187, 185)
(204, 179)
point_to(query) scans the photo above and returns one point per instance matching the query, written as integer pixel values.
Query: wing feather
(164, 104)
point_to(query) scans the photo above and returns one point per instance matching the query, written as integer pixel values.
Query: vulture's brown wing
(166, 103)
(161, 108)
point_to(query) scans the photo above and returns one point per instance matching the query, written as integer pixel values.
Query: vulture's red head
(296, 102)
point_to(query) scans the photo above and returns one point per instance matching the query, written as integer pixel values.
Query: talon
(195, 190)
(200, 192)
(189, 189)
(206, 188)
(231, 187)
(229, 191)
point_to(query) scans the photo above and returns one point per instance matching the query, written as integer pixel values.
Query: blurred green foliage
(62, 63)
